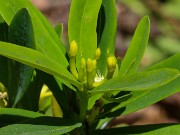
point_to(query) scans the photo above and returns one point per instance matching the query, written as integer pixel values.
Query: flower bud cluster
(88, 68)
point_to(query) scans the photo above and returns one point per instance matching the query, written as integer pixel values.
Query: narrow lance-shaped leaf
(137, 47)
(41, 126)
(47, 41)
(37, 60)
(21, 33)
(138, 81)
(19, 112)
(82, 27)
(75, 18)
(13, 115)
(108, 16)
(141, 99)
(37, 129)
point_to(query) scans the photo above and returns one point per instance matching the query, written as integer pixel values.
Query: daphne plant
(90, 84)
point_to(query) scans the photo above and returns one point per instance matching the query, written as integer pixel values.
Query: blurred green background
(165, 25)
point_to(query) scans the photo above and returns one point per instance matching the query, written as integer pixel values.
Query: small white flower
(98, 77)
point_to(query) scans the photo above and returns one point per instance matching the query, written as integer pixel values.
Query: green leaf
(4, 71)
(41, 126)
(142, 99)
(36, 129)
(137, 47)
(19, 112)
(30, 100)
(118, 99)
(21, 33)
(37, 60)
(60, 94)
(4, 31)
(138, 81)
(83, 103)
(47, 41)
(12, 115)
(59, 30)
(93, 99)
(1, 19)
(82, 27)
(107, 40)
(3, 60)
(153, 129)
(21, 29)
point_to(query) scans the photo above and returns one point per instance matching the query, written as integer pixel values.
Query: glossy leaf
(21, 33)
(47, 41)
(11, 116)
(156, 129)
(142, 99)
(37, 60)
(138, 81)
(137, 47)
(75, 18)
(82, 26)
(41, 125)
(108, 35)
(21, 29)
(37, 129)
(19, 112)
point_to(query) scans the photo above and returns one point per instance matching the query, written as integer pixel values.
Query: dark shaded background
(164, 42)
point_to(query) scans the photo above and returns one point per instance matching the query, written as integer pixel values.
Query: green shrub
(90, 84)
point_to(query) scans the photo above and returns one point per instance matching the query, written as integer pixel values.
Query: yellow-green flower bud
(94, 63)
(89, 65)
(72, 54)
(97, 54)
(3, 97)
(91, 72)
(73, 49)
(111, 63)
(83, 63)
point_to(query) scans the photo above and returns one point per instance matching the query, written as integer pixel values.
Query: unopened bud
(111, 63)
(91, 72)
(89, 65)
(94, 63)
(97, 54)
(83, 63)
(73, 49)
